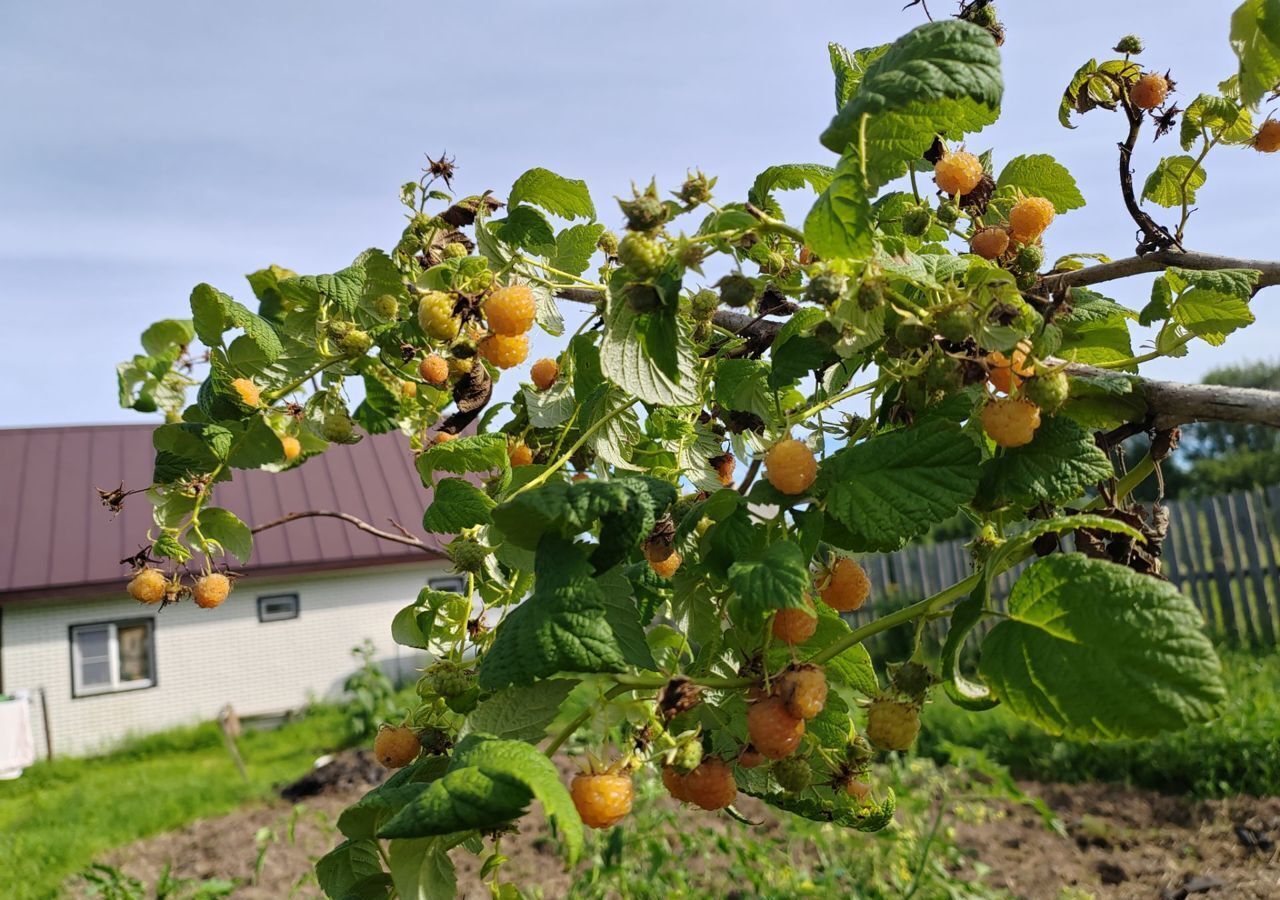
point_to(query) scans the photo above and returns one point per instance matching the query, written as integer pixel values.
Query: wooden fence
(1223, 552)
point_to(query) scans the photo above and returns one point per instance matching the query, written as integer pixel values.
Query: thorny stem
(301, 380)
(573, 448)
(1154, 236)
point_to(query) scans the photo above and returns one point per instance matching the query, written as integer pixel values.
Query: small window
(277, 607)
(451, 583)
(112, 656)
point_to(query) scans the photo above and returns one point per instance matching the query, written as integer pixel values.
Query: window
(452, 583)
(112, 656)
(277, 607)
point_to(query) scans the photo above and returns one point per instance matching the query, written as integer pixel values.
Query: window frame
(263, 599)
(456, 584)
(116, 686)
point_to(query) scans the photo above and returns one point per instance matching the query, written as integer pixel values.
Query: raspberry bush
(665, 519)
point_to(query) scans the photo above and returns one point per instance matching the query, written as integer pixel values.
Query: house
(100, 666)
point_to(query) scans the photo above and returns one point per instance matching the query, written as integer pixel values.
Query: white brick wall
(208, 658)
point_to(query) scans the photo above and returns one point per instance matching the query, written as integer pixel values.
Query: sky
(152, 145)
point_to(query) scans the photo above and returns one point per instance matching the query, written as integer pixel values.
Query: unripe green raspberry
(704, 304)
(608, 243)
(943, 374)
(467, 555)
(645, 212)
(454, 251)
(386, 306)
(913, 334)
(337, 329)
(870, 295)
(1130, 44)
(688, 757)
(696, 189)
(985, 16)
(642, 255)
(916, 221)
(446, 679)
(1048, 390)
(792, 774)
(825, 288)
(355, 343)
(948, 213)
(1029, 259)
(736, 290)
(1026, 280)
(955, 325)
(337, 427)
(914, 680)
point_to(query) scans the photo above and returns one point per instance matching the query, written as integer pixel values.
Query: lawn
(61, 815)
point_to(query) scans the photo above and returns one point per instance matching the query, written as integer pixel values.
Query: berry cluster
(207, 591)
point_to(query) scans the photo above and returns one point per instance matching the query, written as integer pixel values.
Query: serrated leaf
(488, 784)
(549, 408)
(167, 335)
(625, 363)
(422, 870)
(527, 228)
(1059, 464)
(362, 819)
(225, 527)
(1218, 117)
(940, 78)
(343, 871)
(894, 486)
(849, 67)
(455, 505)
(214, 313)
(1040, 175)
(564, 197)
(1092, 649)
(520, 712)
(1174, 181)
(575, 246)
(473, 453)
(1255, 38)
(840, 223)
(788, 177)
(1210, 315)
(777, 579)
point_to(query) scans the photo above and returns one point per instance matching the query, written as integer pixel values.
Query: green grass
(1238, 753)
(61, 815)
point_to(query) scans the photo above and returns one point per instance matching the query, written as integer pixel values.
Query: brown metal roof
(57, 538)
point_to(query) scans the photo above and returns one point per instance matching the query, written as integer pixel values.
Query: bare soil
(1120, 843)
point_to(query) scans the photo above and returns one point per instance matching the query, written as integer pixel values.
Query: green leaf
(1212, 304)
(352, 870)
(788, 177)
(1174, 181)
(167, 335)
(1103, 402)
(362, 819)
(575, 246)
(941, 78)
(521, 712)
(850, 67)
(1255, 38)
(742, 385)
(562, 627)
(525, 227)
(474, 453)
(894, 486)
(549, 408)
(1221, 118)
(422, 870)
(564, 197)
(1061, 463)
(776, 579)
(188, 448)
(455, 505)
(625, 362)
(213, 313)
(840, 224)
(225, 527)
(1040, 175)
(490, 783)
(1096, 331)
(1092, 649)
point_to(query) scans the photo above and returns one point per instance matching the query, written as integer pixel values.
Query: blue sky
(153, 145)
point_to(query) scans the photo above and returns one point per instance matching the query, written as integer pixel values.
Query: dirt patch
(1119, 843)
(1125, 843)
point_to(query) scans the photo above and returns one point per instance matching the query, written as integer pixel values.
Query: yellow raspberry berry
(602, 800)
(210, 590)
(434, 370)
(990, 243)
(544, 373)
(292, 447)
(395, 748)
(435, 316)
(409, 389)
(724, 464)
(1267, 140)
(957, 173)
(711, 785)
(249, 393)
(847, 586)
(520, 455)
(750, 757)
(387, 306)
(667, 566)
(1029, 218)
(803, 688)
(1149, 91)
(774, 732)
(795, 626)
(892, 725)
(1004, 373)
(506, 351)
(511, 310)
(858, 790)
(148, 586)
(790, 466)
(444, 437)
(1011, 421)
